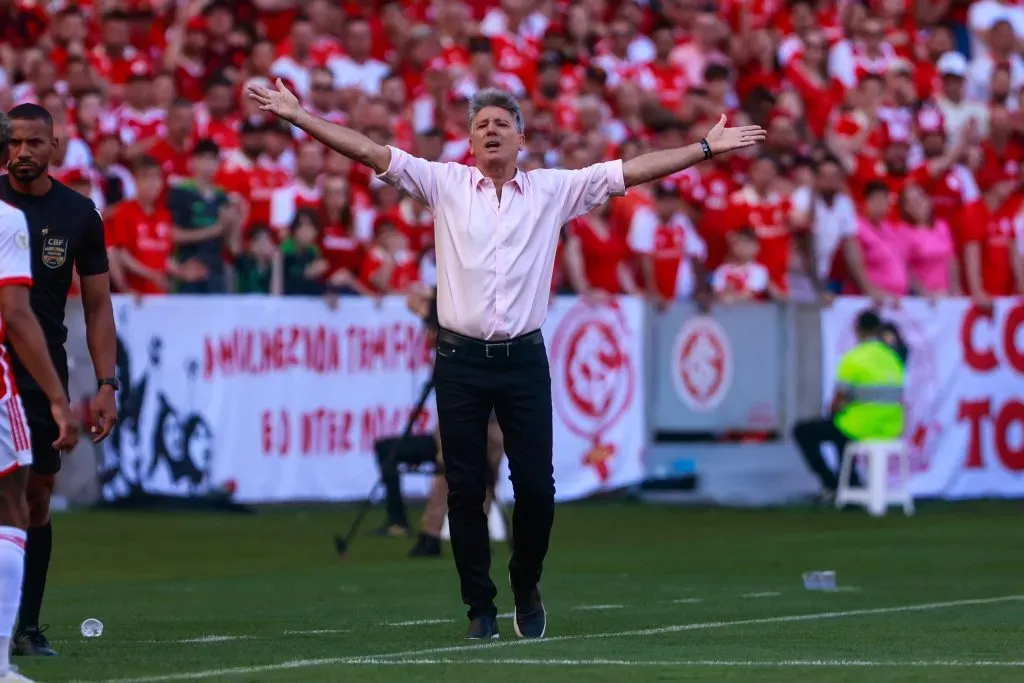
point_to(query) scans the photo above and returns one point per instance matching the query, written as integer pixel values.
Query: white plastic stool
(876, 495)
(495, 523)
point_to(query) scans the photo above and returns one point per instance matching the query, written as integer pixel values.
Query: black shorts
(45, 458)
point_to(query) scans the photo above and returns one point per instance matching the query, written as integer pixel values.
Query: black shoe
(483, 628)
(529, 619)
(426, 546)
(30, 642)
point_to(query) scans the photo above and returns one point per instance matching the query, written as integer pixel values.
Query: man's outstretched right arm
(353, 144)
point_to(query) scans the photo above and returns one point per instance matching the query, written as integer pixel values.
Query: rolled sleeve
(416, 177)
(590, 187)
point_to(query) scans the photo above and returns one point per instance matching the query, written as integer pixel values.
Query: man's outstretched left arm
(719, 140)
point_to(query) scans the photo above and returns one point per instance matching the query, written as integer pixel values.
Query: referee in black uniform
(66, 233)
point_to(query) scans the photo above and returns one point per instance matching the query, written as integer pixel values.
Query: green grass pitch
(634, 593)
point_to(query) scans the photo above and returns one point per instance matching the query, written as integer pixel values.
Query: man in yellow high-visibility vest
(868, 402)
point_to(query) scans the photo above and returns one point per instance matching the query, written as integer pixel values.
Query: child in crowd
(390, 266)
(741, 277)
(304, 267)
(259, 269)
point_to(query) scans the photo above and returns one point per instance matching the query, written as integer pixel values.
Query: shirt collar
(517, 180)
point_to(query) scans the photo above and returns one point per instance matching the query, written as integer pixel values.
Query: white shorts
(15, 439)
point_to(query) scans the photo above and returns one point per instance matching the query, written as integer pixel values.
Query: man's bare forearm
(100, 332)
(346, 141)
(654, 165)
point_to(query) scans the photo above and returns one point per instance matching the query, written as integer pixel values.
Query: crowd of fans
(893, 164)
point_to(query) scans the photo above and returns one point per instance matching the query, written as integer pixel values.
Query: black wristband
(706, 148)
(108, 382)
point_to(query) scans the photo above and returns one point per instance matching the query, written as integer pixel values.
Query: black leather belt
(478, 348)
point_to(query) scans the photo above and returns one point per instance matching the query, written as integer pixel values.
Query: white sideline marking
(419, 622)
(506, 615)
(762, 594)
(597, 607)
(687, 601)
(409, 655)
(697, 662)
(316, 632)
(199, 639)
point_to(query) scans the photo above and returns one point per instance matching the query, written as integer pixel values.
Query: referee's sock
(37, 564)
(12, 566)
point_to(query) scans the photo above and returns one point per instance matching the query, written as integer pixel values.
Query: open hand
(722, 139)
(104, 410)
(67, 428)
(281, 102)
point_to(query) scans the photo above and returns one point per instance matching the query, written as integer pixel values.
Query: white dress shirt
(832, 224)
(495, 260)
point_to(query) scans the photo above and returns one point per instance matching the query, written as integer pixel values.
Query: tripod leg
(342, 543)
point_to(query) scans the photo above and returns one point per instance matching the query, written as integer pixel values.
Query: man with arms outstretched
(495, 230)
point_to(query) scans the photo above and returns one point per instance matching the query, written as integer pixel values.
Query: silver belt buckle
(488, 347)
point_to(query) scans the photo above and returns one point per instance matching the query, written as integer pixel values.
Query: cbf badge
(55, 250)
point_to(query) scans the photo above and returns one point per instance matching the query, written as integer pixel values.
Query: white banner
(282, 399)
(965, 415)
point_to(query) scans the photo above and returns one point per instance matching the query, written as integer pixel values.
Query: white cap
(952, 64)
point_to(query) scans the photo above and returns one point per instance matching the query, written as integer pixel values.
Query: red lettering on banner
(398, 346)
(1010, 414)
(1013, 322)
(266, 432)
(985, 360)
(285, 435)
(975, 411)
(980, 360)
(327, 432)
(257, 352)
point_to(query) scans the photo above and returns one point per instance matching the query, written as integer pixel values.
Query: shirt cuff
(616, 178)
(395, 168)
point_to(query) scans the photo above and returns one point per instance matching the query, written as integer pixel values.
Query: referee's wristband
(706, 148)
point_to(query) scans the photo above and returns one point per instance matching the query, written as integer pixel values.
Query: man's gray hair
(494, 97)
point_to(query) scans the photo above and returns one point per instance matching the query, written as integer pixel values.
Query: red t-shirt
(341, 249)
(948, 193)
(999, 165)
(994, 231)
(174, 162)
(146, 236)
(821, 97)
(253, 182)
(671, 245)
(602, 250)
(668, 81)
(769, 217)
(118, 70)
(870, 170)
(404, 273)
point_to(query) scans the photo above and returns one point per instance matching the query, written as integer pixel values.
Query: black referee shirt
(66, 231)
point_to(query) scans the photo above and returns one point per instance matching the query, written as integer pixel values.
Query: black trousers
(392, 452)
(517, 386)
(810, 435)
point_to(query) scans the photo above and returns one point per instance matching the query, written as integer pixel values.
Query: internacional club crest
(594, 377)
(702, 360)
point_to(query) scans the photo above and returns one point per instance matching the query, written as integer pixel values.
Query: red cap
(930, 120)
(77, 175)
(897, 134)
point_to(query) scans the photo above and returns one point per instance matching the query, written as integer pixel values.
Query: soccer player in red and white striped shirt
(18, 326)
